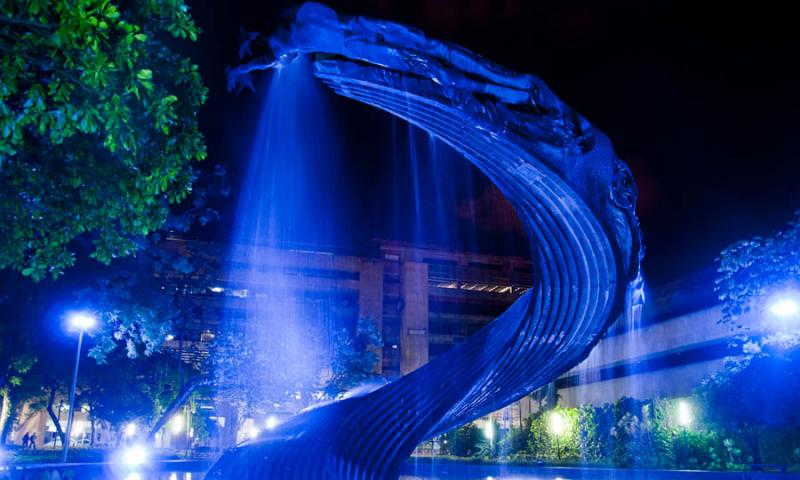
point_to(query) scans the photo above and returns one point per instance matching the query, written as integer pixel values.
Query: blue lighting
(575, 198)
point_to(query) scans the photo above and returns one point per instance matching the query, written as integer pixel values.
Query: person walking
(32, 441)
(25, 439)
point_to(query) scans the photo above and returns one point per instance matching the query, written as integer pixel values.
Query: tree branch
(52, 414)
(176, 404)
(25, 23)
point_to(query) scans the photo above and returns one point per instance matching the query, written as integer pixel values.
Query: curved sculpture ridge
(574, 196)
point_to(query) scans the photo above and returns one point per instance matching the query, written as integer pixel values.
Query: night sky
(700, 100)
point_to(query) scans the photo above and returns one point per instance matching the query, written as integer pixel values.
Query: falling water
(289, 201)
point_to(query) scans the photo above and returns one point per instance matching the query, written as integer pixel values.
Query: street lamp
(685, 420)
(785, 306)
(488, 431)
(82, 322)
(558, 425)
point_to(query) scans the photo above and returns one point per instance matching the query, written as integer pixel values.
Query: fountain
(574, 196)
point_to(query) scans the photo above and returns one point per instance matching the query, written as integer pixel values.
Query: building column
(414, 317)
(370, 299)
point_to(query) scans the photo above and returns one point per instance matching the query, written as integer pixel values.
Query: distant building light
(176, 424)
(170, 337)
(216, 289)
(207, 336)
(394, 346)
(131, 429)
(488, 430)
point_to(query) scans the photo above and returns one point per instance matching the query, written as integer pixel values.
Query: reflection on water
(166, 476)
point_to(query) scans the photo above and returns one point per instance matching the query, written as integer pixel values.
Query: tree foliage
(751, 272)
(755, 395)
(98, 126)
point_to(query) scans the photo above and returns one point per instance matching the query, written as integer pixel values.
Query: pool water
(418, 471)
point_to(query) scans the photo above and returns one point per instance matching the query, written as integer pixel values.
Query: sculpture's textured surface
(574, 196)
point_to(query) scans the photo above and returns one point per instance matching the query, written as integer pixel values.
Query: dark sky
(701, 100)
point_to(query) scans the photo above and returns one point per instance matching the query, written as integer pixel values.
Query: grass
(18, 456)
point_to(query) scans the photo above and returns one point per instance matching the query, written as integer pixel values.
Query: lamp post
(558, 425)
(81, 321)
(488, 431)
(685, 420)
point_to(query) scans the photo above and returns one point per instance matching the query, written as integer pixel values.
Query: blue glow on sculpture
(574, 196)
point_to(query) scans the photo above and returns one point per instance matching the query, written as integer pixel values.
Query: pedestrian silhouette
(32, 441)
(25, 439)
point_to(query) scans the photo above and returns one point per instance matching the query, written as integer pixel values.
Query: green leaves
(751, 272)
(144, 74)
(98, 127)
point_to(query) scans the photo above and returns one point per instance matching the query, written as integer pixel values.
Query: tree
(123, 390)
(98, 127)
(751, 272)
(755, 394)
(354, 357)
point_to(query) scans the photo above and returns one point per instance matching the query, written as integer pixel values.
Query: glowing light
(785, 307)
(558, 424)
(685, 417)
(78, 428)
(253, 431)
(297, 396)
(176, 424)
(131, 429)
(170, 337)
(271, 422)
(217, 289)
(488, 431)
(82, 320)
(134, 476)
(134, 456)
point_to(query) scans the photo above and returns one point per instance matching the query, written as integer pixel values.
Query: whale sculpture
(574, 196)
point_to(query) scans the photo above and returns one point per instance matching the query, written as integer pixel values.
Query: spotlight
(176, 424)
(134, 456)
(685, 417)
(272, 422)
(558, 424)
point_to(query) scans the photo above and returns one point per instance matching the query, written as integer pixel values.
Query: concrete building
(424, 300)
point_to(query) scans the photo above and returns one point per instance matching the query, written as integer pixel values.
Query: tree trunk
(8, 426)
(753, 443)
(176, 404)
(53, 416)
(91, 423)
